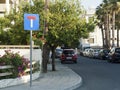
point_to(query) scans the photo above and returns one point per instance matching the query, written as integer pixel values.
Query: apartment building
(7, 5)
(95, 38)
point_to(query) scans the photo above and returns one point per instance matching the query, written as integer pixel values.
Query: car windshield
(118, 50)
(58, 50)
(96, 50)
(106, 51)
(68, 52)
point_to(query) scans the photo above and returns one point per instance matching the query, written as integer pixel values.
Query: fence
(35, 67)
(5, 73)
(24, 50)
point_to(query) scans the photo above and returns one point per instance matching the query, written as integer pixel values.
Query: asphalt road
(97, 74)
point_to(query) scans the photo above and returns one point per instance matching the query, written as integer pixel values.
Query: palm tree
(100, 22)
(114, 7)
(117, 23)
(106, 11)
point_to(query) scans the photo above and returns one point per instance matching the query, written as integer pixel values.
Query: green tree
(114, 7)
(62, 25)
(103, 15)
(100, 22)
(65, 26)
(16, 31)
(107, 14)
(4, 26)
(117, 25)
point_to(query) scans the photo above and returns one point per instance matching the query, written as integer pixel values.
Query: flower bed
(20, 65)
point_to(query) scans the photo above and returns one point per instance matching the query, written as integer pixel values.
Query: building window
(2, 1)
(91, 40)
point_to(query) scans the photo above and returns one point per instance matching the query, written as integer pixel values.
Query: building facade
(95, 38)
(7, 5)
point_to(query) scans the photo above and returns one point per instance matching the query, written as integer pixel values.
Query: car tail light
(62, 56)
(74, 56)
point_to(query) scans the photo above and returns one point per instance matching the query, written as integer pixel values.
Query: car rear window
(68, 52)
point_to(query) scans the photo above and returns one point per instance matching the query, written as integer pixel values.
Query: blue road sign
(31, 21)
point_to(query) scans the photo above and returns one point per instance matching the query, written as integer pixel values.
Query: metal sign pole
(31, 22)
(30, 58)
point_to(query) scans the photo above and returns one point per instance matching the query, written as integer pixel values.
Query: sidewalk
(61, 79)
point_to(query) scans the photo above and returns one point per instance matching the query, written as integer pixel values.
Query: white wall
(36, 53)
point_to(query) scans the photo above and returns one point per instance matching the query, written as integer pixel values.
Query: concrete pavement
(61, 79)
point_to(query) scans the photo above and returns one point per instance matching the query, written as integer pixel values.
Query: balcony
(2, 7)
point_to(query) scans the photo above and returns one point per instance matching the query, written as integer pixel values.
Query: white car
(87, 52)
(95, 53)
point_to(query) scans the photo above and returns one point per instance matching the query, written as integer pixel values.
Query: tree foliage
(108, 16)
(64, 22)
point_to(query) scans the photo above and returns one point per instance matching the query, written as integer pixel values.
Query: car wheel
(75, 61)
(62, 62)
(101, 58)
(110, 60)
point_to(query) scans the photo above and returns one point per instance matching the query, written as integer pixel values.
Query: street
(97, 74)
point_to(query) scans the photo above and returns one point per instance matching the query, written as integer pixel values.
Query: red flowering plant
(19, 63)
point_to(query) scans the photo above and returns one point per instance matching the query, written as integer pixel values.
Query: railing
(35, 67)
(5, 73)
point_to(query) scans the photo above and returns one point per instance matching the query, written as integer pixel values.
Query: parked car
(103, 54)
(58, 53)
(94, 53)
(68, 55)
(114, 55)
(87, 52)
(90, 53)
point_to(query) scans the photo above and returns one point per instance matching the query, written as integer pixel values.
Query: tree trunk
(46, 49)
(117, 37)
(45, 57)
(107, 33)
(113, 29)
(106, 27)
(53, 58)
(103, 40)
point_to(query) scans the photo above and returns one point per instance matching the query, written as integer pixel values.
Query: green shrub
(18, 62)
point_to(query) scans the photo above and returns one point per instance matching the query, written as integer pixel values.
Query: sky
(90, 3)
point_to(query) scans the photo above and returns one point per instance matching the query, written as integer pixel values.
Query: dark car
(114, 55)
(58, 53)
(68, 55)
(103, 54)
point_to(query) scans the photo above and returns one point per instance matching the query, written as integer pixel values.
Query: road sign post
(31, 22)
